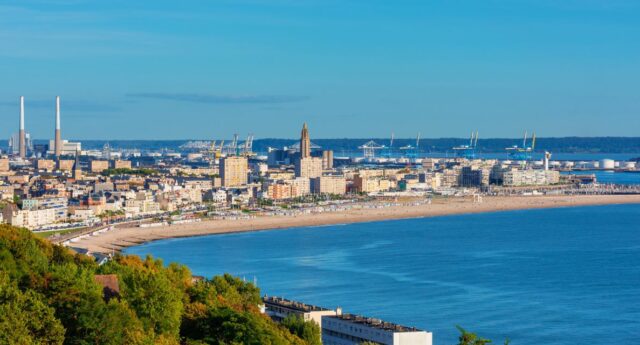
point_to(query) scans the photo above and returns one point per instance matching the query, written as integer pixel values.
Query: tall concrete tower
(305, 142)
(22, 141)
(57, 140)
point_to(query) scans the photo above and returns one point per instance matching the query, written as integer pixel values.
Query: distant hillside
(555, 145)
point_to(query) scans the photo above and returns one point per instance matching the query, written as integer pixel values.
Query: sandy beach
(119, 238)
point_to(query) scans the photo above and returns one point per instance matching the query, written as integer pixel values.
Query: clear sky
(174, 69)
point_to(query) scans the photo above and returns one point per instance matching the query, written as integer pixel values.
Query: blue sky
(208, 69)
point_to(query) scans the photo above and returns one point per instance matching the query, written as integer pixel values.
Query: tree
(145, 286)
(25, 318)
(306, 330)
(468, 338)
(49, 295)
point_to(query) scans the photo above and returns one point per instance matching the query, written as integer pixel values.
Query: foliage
(306, 330)
(25, 318)
(127, 171)
(468, 338)
(49, 295)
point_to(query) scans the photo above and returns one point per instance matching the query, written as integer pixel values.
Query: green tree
(468, 338)
(306, 330)
(25, 318)
(146, 287)
(49, 295)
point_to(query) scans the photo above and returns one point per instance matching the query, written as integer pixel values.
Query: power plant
(20, 143)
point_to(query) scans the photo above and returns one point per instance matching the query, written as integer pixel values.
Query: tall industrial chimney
(57, 140)
(22, 142)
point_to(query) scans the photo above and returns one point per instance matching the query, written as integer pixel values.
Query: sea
(548, 276)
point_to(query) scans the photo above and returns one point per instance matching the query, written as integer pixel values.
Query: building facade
(348, 329)
(308, 167)
(234, 171)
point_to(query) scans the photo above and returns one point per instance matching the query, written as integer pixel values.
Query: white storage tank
(607, 164)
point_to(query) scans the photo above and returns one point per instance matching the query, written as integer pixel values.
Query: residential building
(30, 219)
(121, 164)
(4, 164)
(329, 185)
(279, 308)
(372, 184)
(65, 164)
(98, 166)
(45, 164)
(348, 329)
(308, 167)
(234, 171)
(530, 177)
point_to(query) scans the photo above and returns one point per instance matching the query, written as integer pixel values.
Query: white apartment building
(348, 329)
(329, 185)
(30, 219)
(530, 177)
(279, 308)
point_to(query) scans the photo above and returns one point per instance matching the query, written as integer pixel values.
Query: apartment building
(348, 329)
(279, 308)
(329, 185)
(234, 171)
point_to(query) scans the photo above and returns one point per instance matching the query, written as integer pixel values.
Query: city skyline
(165, 71)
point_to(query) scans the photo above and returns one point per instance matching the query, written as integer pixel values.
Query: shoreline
(119, 238)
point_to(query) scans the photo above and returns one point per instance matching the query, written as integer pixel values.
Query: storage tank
(607, 164)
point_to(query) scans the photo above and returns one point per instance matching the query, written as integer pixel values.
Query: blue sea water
(553, 276)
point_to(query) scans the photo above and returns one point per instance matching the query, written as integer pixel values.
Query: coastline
(120, 238)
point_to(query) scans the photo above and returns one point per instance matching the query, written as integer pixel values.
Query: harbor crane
(524, 153)
(369, 149)
(411, 151)
(247, 147)
(467, 151)
(389, 150)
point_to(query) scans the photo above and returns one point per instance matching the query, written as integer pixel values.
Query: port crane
(369, 149)
(524, 153)
(411, 151)
(467, 151)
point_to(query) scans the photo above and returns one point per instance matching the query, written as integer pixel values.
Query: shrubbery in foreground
(49, 295)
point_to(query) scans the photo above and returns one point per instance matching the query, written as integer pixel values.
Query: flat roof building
(279, 308)
(349, 329)
(234, 171)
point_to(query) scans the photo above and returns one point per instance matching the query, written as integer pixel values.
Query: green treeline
(127, 171)
(49, 295)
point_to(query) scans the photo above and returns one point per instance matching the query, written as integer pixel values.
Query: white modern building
(348, 329)
(279, 308)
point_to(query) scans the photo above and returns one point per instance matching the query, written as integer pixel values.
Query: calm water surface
(558, 276)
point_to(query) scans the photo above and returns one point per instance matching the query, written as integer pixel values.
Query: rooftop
(376, 323)
(282, 302)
